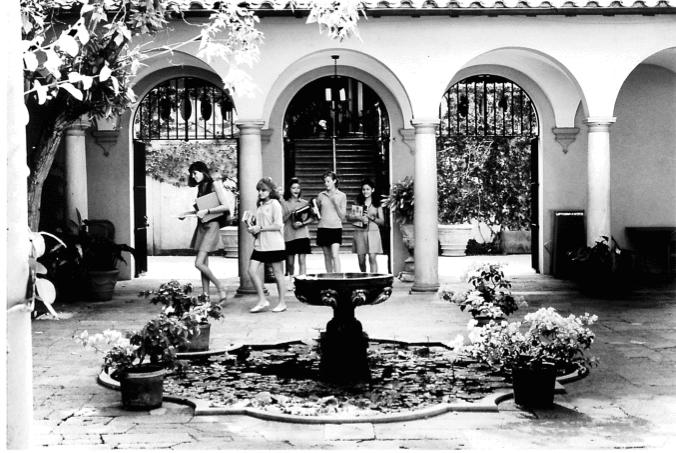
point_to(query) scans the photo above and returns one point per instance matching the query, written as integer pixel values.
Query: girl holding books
(207, 237)
(367, 232)
(268, 243)
(297, 215)
(332, 204)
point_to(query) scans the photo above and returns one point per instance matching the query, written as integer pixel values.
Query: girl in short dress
(367, 239)
(296, 233)
(268, 244)
(207, 237)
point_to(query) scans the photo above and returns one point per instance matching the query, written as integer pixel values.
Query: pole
(333, 109)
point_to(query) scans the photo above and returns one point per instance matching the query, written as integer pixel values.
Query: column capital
(250, 127)
(78, 126)
(599, 123)
(420, 124)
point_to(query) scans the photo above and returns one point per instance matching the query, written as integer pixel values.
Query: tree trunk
(40, 162)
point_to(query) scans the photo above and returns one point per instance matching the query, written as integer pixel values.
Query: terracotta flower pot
(534, 386)
(102, 284)
(142, 387)
(200, 341)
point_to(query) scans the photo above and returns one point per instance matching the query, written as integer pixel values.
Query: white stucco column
(76, 170)
(598, 178)
(14, 252)
(250, 163)
(426, 206)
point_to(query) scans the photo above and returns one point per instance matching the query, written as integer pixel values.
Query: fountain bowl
(352, 288)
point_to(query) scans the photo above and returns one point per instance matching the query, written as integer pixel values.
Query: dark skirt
(298, 247)
(328, 236)
(272, 256)
(207, 237)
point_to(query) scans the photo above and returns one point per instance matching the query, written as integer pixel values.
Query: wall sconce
(106, 131)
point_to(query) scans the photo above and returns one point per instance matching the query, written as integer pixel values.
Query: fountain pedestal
(344, 345)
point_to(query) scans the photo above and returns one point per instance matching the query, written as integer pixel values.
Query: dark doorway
(339, 121)
(140, 216)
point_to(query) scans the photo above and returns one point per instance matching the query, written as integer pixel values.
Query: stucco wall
(643, 152)
(164, 201)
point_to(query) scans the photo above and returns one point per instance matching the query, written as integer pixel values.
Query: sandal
(260, 307)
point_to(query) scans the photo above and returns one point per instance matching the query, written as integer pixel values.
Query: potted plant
(551, 345)
(400, 203)
(490, 297)
(140, 360)
(101, 257)
(603, 269)
(194, 311)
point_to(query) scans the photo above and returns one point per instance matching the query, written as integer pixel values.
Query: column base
(424, 288)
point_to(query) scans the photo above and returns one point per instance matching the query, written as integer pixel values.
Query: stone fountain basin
(352, 288)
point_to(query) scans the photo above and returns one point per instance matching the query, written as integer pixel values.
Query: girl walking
(296, 233)
(207, 236)
(367, 239)
(268, 244)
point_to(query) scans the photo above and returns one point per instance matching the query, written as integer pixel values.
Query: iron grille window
(487, 106)
(185, 108)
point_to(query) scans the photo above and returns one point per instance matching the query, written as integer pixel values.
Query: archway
(338, 123)
(487, 146)
(178, 121)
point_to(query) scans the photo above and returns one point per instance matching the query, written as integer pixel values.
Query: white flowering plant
(155, 344)
(490, 296)
(549, 338)
(177, 301)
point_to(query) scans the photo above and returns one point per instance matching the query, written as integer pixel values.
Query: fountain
(343, 346)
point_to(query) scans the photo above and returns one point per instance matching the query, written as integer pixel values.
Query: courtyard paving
(629, 401)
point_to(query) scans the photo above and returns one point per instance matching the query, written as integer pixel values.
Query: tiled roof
(402, 6)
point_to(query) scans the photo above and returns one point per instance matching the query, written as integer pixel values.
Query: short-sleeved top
(331, 217)
(267, 214)
(288, 207)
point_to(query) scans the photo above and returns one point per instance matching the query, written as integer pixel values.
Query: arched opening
(338, 123)
(487, 146)
(178, 121)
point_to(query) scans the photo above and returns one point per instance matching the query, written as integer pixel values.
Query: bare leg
(373, 263)
(335, 251)
(202, 264)
(328, 259)
(278, 270)
(361, 257)
(255, 275)
(302, 265)
(289, 264)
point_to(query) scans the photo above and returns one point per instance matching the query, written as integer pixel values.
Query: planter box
(453, 239)
(515, 242)
(229, 236)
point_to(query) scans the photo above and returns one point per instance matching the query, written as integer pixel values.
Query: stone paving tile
(350, 431)
(159, 439)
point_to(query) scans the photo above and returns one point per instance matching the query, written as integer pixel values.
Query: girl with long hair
(268, 244)
(367, 239)
(296, 233)
(207, 237)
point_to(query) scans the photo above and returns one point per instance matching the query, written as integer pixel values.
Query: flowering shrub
(549, 338)
(178, 302)
(490, 295)
(156, 343)
(400, 202)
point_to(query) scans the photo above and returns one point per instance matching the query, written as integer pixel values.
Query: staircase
(356, 159)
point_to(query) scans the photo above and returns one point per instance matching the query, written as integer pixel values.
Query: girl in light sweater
(268, 244)
(332, 205)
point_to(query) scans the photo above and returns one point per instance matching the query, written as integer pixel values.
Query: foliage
(482, 248)
(484, 180)
(178, 302)
(550, 338)
(490, 295)
(400, 202)
(156, 343)
(40, 286)
(169, 161)
(601, 265)
(100, 253)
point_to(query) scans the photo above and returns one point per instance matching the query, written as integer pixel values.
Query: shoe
(260, 307)
(223, 298)
(279, 309)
